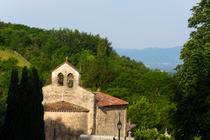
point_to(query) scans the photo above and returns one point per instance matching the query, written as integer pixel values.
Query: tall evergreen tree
(9, 129)
(24, 118)
(24, 105)
(37, 110)
(192, 117)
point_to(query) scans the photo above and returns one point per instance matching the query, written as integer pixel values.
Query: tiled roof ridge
(63, 106)
(66, 62)
(106, 100)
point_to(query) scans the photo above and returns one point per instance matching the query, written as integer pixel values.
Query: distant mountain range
(157, 58)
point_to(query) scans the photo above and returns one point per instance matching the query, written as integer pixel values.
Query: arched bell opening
(60, 79)
(70, 80)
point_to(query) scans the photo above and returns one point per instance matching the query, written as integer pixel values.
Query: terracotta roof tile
(104, 100)
(63, 106)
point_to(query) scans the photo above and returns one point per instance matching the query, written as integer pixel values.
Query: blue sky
(126, 23)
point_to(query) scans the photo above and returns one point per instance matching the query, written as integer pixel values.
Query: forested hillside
(7, 54)
(149, 92)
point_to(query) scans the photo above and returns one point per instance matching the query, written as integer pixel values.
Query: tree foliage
(101, 68)
(24, 113)
(144, 114)
(5, 69)
(193, 77)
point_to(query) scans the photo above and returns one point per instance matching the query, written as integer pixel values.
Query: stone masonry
(73, 110)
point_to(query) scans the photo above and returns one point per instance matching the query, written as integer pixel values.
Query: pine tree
(192, 117)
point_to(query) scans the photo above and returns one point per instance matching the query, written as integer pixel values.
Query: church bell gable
(65, 75)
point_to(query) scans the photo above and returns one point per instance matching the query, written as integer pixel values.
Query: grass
(6, 54)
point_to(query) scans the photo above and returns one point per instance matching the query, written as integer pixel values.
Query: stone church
(71, 110)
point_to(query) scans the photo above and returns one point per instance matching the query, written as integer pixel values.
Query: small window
(60, 79)
(70, 80)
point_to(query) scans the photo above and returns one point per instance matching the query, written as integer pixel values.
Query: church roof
(66, 62)
(63, 106)
(105, 100)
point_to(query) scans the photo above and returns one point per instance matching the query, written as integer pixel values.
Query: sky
(131, 24)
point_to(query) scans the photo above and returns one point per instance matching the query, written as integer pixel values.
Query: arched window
(70, 80)
(60, 79)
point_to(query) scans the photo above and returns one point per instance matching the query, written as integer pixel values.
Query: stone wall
(99, 121)
(65, 125)
(65, 69)
(107, 118)
(75, 95)
(98, 137)
(78, 96)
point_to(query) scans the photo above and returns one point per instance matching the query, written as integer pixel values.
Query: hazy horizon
(127, 24)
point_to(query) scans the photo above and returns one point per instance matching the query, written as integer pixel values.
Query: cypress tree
(32, 122)
(37, 110)
(23, 131)
(24, 115)
(9, 128)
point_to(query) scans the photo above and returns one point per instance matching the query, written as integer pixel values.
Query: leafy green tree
(98, 63)
(144, 114)
(192, 117)
(99, 72)
(147, 134)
